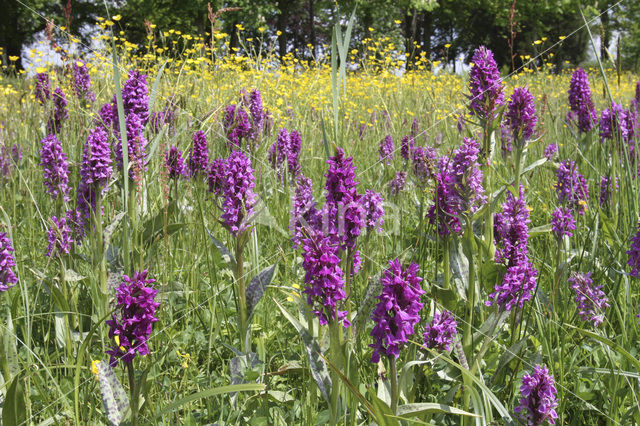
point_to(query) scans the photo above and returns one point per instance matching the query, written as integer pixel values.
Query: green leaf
(384, 416)
(246, 387)
(613, 345)
(540, 230)
(13, 409)
(368, 302)
(316, 360)
(257, 286)
(490, 396)
(110, 228)
(72, 276)
(224, 251)
(459, 269)
(114, 398)
(420, 408)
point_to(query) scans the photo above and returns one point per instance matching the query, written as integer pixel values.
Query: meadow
(413, 248)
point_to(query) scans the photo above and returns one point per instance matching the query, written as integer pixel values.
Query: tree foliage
(436, 28)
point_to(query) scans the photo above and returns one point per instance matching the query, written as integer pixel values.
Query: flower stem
(133, 394)
(242, 296)
(446, 269)
(334, 341)
(518, 166)
(393, 375)
(468, 248)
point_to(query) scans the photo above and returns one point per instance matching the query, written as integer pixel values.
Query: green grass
(49, 340)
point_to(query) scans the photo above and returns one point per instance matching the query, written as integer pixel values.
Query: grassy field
(290, 369)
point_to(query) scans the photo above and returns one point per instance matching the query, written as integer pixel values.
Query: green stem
(393, 374)
(485, 344)
(518, 166)
(468, 333)
(446, 268)
(134, 395)
(335, 344)
(242, 296)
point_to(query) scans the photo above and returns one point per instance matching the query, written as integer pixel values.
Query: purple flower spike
(562, 222)
(517, 287)
(397, 311)
(342, 211)
(512, 230)
(106, 116)
(199, 158)
(572, 187)
(236, 124)
(293, 159)
(606, 190)
(7, 262)
(512, 235)
(239, 198)
(175, 164)
(95, 173)
(440, 332)
(397, 183)
(60, 113)
(96, 169)
(613, 123)
(550, 151)
(133, 319)
(324, 278)
(16, 153)
(279, 151)
(136, 142)
(304, 214)
(520, 117)
(485, 85)
(43, 93)
(582, 107)
(634, 254)
(406, 147)
(55, 168)
(538, 401)
(590, 298)
(216, 177)
(458, 188)
(424, 162)
(386, 150)
(253, 101)
(59, 237)
(82, 81)
(372, 203)
(135, 96)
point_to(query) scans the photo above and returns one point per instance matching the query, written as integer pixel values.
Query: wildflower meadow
(189, 235)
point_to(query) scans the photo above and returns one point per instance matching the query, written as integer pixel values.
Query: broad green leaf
(13, 409)
(224, 251)
(258, 285)
(114, 398)
(316, 360)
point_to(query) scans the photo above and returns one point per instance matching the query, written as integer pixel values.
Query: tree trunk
(312, 25)
(411, 26)
(605, 35)
(283, 17)
(427, 32)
